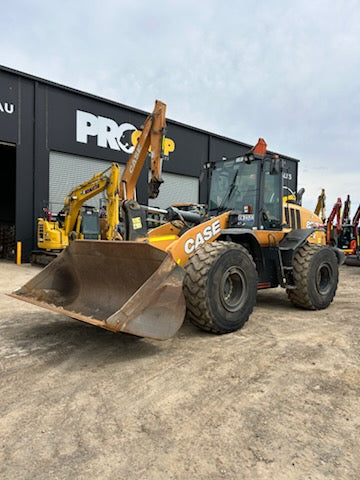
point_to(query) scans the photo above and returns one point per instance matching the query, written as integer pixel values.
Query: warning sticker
(136, 222)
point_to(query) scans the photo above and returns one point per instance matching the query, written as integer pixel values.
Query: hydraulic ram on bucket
(120, 286)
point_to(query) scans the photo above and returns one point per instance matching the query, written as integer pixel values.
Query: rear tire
(220, 287)
(316, 274)
(352, 260)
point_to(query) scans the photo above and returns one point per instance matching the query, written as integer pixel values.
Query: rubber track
(195, 282)
(301, 265)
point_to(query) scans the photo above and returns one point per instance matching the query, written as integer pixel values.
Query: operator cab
(346, 237)
(90, 223)
(251, 187)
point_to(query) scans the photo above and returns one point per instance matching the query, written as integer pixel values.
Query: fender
(340, 255)
(297, 238)
(246, 237)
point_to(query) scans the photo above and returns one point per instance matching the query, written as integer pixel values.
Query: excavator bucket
(120, 286)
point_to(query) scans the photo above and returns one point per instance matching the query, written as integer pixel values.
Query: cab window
(271, 216)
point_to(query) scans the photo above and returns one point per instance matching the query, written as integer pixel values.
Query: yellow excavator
(75, 220)
(208, 265)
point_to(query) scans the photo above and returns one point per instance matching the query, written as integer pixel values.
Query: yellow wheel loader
(208, 265)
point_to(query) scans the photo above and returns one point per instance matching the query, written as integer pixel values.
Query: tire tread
(195, 282)
(301, 265)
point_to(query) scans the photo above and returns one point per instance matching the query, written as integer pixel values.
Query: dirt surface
(277, 400)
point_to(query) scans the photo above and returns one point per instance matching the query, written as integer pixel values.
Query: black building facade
(52, 136)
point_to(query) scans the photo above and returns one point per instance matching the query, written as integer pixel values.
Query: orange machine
(209, 265)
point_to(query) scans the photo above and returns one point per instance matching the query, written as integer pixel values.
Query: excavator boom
(335, 213)
(346, 211)
(151, 137)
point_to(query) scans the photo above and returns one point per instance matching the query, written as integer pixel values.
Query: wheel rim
(323, 279)
(233, 289)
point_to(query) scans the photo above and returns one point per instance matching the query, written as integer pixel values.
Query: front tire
(220, 287)
(316, 275)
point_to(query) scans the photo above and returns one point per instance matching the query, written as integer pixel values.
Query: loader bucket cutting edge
(120, 286)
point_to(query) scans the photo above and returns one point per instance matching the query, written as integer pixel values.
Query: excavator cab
(89, 223)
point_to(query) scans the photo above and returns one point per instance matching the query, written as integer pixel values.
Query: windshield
(234, 187)
(90, 224)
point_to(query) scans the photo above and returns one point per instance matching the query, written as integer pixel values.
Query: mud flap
(120, 286)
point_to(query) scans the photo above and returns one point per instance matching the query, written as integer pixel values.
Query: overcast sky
(288, 71)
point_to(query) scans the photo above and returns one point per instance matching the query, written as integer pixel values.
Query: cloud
(287, 71)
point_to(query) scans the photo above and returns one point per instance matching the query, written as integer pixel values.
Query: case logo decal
(202, 237)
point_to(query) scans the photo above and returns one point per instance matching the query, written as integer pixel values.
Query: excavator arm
(97, 184)
(346, 212)
(112, 207)
(356, 221)
(151, 137)
(320, 206)
(335, 212)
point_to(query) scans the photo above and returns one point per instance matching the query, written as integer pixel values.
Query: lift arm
(97, 184)
(152, 137)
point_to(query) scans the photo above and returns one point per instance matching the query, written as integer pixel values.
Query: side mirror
(299, 196)
(275, 167)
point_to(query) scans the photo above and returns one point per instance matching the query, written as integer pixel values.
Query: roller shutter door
(66, 172)
(176, 189)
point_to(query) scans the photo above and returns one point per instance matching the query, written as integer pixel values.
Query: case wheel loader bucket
(120, 286)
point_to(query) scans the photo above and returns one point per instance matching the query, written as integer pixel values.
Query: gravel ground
(278, 399)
